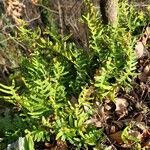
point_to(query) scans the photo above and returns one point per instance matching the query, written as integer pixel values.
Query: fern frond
(114, 47)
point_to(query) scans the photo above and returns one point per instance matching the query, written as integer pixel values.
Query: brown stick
(61, 19)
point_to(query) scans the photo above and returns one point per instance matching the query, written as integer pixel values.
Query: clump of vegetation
(56, 89)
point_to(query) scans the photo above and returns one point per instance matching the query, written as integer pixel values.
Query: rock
(18, 145)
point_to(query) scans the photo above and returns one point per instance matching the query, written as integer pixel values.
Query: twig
(73, 14)
(113, 146)
(61, 19)
(31, 20)
(18, 43)
(5, 40)
(53, 11)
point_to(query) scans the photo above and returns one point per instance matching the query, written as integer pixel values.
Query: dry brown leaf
(139, 49)
(48, 145)
(146, 145)
(146, 36)
(141, 125)
(61, 145)
(107, 107)
(147, 31)
(135, 134)
(139, 118)
(95, 121)
(147, 70)
(121, 107)
(142, 77)
(144, 39)
(145, 73)
(117, 137)
(101, 117)
(103, 114)
(14, 9)
(113, 129)
(145, 135)
(34, 1)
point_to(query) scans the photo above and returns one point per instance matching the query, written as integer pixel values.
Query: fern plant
(57, 72)
(40, 92)
(114, 48)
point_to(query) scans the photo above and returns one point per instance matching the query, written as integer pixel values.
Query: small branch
(5, 40)
(31, 20)
(61, 19)
(53, 11)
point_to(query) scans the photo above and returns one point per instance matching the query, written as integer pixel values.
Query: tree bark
(109, 11)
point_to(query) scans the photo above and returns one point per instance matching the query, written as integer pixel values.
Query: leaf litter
(126, 121)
